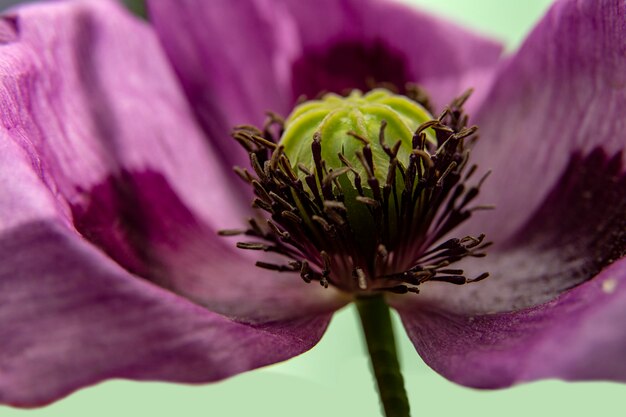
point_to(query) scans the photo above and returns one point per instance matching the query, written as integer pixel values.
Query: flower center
(361, 190)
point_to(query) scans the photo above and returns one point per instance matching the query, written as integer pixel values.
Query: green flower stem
(378, 331)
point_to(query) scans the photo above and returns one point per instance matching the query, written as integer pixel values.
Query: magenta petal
(88, 93)
(557, 298)
(563, 93)
(386, 41)
(125, 161)
(103, 174)
(238, 59)
(233, 58)
(70, 317)
(578, 336)
(554, 303)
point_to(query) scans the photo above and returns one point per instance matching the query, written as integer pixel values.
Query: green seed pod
(343, 124)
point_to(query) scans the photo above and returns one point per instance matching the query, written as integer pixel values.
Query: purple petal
(71, 317)
(88, 93)
(563, 93)
(100, 157)
(344, 43)
(233, 59)
(93, 104)
(512, 326)
(554, 304)
(237, 60)
(578, 336)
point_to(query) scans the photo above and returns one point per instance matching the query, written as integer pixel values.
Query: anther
(480, 277)
(274, 118)
(259, 203)
(247, 128)
(381, 251)
(446, 173)
(450, 279)
(274, 267)
(424, 156)
(326, 260)
(262, 142)
(276, 157)
(281, 201)
(245, 140)
(398, 289)
(322, 222)
(333, 175)
(258, 169)
(283, 234)
(451, 271)
(292, 217)
(368, 201)
(360, 276)
(231, 232)
(304, 272)
(253, 246)
(286, 166)
(334, 205)
(260, 191)
(335, 217)
(243, 174)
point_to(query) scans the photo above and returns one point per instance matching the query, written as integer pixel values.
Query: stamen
(368, 201)
(232, 232)
(292, 217)
(274, 267)
(253, 246)
(381, 251)
(243, 174)
(360, 275)
(335, 205)
(276, 230)
(304, 272)
(278, 199)
(319, 213)
(333, 175)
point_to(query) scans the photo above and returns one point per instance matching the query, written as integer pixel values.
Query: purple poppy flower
(116, 163)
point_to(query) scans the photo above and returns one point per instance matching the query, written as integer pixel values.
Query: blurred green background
(333, 379)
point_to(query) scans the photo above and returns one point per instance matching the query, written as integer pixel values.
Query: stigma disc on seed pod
(343, 125)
